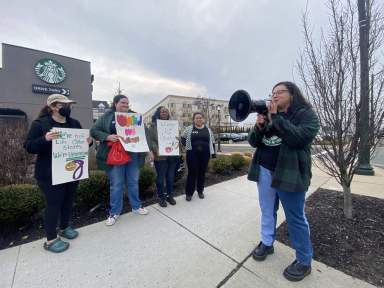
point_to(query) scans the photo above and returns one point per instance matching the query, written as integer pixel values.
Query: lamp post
(364, 167)
(218, 107)
(230, 123)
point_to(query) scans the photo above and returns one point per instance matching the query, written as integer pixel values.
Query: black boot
(162, 202)
(171, 200)
(261, 251)
(201, 195)
(188, 197)
(296, 271)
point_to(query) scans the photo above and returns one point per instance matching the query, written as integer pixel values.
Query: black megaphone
(241, 105)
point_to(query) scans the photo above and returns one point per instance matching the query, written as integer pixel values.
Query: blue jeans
(165, 169)
(293, 204)
(119, 176)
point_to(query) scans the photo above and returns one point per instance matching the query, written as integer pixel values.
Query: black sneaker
(201, 195)
(171, 200)
(296, 271)
(162, 203)
(261, 251)
(188, 197)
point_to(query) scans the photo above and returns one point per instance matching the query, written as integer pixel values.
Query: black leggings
(59, 202)
(197, 163)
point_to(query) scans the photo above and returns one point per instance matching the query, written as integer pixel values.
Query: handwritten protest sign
(70, 155)
(130, 128)
(168, 135)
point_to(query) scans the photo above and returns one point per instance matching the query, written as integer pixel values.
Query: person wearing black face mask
(59, 198)
(65, 111)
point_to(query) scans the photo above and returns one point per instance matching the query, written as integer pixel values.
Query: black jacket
(36, 144)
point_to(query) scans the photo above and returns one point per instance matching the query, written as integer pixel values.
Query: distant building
(182, 108)
(28, 77)
(98, 108)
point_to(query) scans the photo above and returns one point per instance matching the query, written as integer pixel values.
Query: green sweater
(100, 131)
(293, 168)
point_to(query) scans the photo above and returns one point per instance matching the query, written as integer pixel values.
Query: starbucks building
(28, 77)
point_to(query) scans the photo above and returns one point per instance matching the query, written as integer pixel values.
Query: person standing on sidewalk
(59, 198)
(198, 140)
(104, 130)
(165, 165)
(281, 166)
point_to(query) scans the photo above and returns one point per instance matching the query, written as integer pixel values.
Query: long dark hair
(156, 115)
(45, 111)
(298, 98)
(116, 100)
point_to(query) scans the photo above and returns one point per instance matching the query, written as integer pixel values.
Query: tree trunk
(347, 201)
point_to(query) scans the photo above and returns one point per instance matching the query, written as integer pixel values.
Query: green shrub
(147, 178)
(248, 154)
(93, 190)
(237, 161)
(210, 164)
(222, 165)
(248, 161)
(18, 203)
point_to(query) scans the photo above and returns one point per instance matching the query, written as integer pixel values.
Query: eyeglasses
(279, 92)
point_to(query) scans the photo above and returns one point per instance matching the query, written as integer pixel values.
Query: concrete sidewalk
(202, 243)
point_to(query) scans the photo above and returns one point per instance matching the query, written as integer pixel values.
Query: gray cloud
(154, 48)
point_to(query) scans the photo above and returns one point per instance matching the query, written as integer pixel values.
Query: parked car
(243, 136)
(225, 136)
(235, 137)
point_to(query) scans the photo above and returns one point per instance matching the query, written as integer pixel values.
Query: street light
(218, 107)
(230, 123)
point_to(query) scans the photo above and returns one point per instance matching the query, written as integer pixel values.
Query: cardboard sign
(70, 155)
(168, 137)
(130, 128)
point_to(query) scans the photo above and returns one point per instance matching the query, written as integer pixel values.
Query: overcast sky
(158, 47)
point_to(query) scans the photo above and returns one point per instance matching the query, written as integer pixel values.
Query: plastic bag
(117, 155)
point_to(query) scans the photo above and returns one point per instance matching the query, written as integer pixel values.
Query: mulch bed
(13, 236)
(354, 246)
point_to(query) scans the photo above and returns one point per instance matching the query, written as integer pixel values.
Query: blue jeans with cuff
(293, 204)
(119, 176)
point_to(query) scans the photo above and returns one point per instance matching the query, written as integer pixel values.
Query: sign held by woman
(130, 128)
(70, 155)
(168, 137)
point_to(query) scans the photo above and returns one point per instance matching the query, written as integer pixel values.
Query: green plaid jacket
(297, 129)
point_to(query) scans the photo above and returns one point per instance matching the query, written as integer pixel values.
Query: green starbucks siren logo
(50, 71)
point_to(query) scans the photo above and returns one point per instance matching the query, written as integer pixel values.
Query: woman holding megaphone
(281, 167)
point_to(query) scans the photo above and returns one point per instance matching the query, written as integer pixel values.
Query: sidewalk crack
(17, 262)
(233, 272)
(238, 264)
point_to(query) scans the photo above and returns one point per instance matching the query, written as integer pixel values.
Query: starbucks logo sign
(50, 71)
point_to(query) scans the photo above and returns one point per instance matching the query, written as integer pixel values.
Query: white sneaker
(111, 220)
(140, 211)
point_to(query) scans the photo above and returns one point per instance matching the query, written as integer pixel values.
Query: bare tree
(330, 72)
(207, 108)
(14, 160)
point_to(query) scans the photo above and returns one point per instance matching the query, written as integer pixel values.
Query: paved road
(378, 157)
(236, 147)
